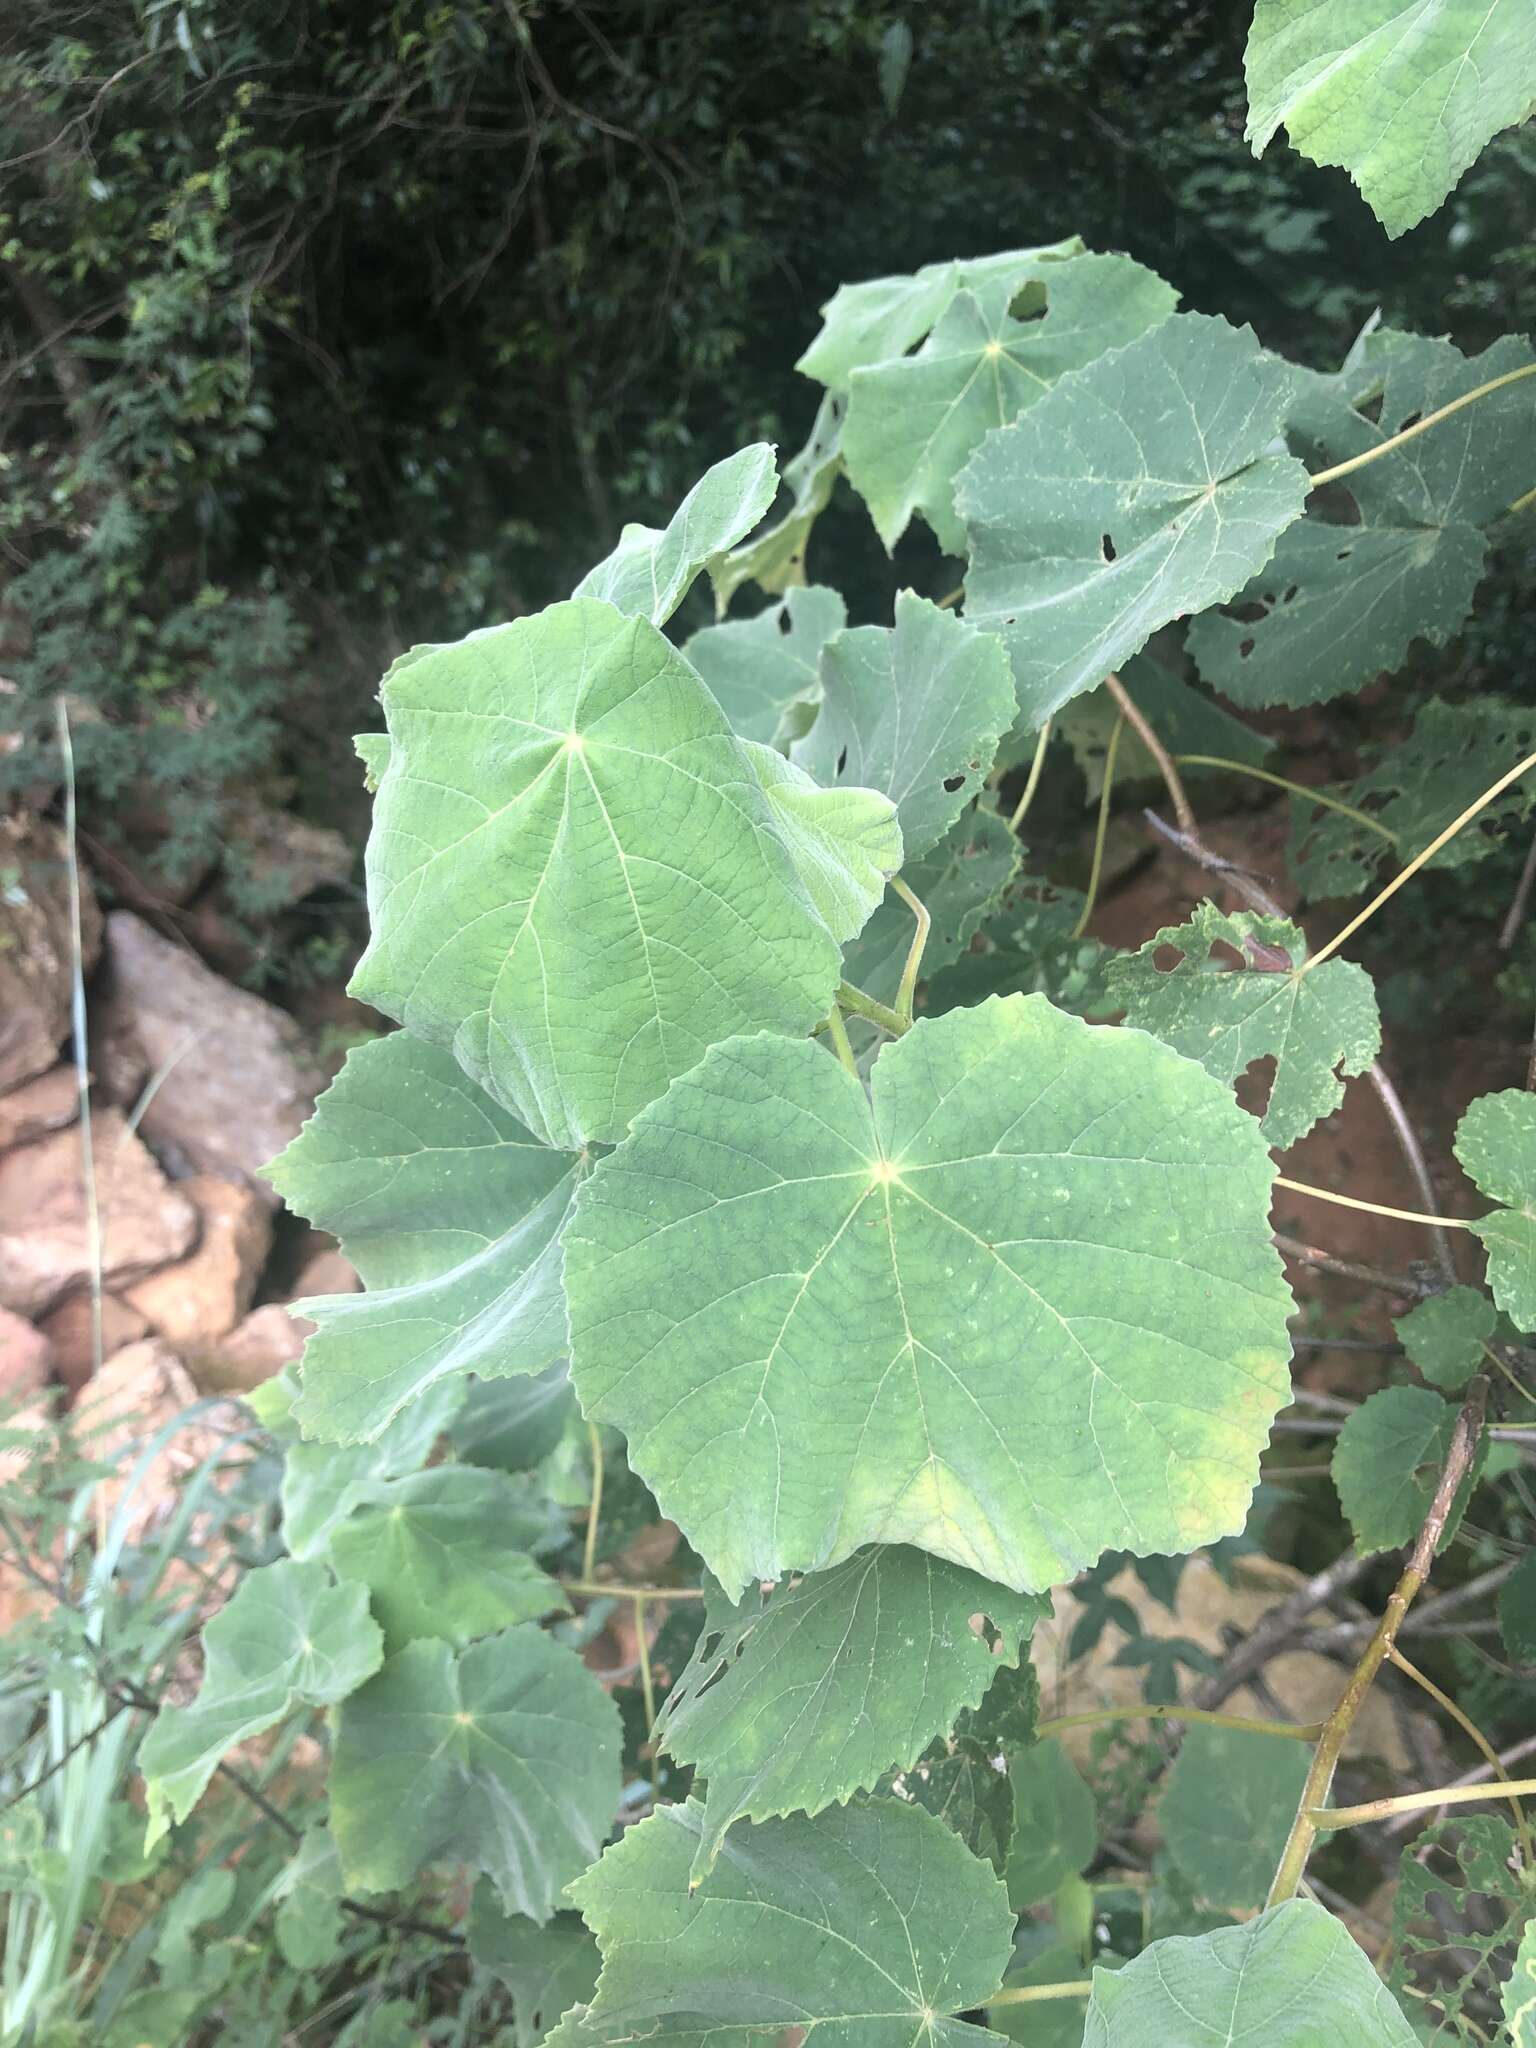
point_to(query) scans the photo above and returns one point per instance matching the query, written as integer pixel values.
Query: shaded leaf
(1444, 1336)
(322, 1482)
(1458, 1882)
(652, 569)
(1186, 722)
(758, 668)
(1054, 1830)
(845, 842)
(959, 882)
(1517, 1612)
(964, 1785)
(1496, 1143)
(546, 1969)
(1228, 1807)
(1387, 1463)
(308, 1922)
(513, 1425)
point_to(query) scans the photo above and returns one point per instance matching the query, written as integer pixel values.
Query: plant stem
(594, 1589)
(1328, 1817)
(1475, 1734)
(1297, 789)
(951, 597)
(1298, 1731)
(1430, 419)
(1300, 1187)
(1413, 1152)
(1193, 848)
(837, 1031)
(1103, 826)
(79, 1033)
(1021, 808)
(1396, 1284)
(1173, 782)
(858, 1004)
(595, 1503)
(907, 987)
(1033, 1994)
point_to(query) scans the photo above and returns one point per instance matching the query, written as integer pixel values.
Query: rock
(204, 1295)
(48, 1102)
(255, 1350)
(26, 1360)
(326, 1273)
(238, 1080)
(281, 858)
(119, 1064)
(67, 1326)
(139, 1390)
(37, 946)
(44, 1247)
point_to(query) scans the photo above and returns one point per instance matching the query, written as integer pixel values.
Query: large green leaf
(573, 875)
(1054, 1830)
(1402, 94)
(868, 1925)
(650, 571)
(757, 668)
(1496, 1143)
(546, 1969)
(1228, 1846)
(914, 420)
(775, 558)
(1226, 1014)
(803, 1699)
(959, 882)
(916, 710)
(845, 841)
(1020, 1308)
(289, 1637)
(1387, 1464)
(505, 1758)
(1293, 1978)
(451, 1213)
(1137, 491)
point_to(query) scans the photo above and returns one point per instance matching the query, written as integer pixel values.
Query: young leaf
(546, 1969)
(1318, 1027)
(1444, 1336)
(1496, 1143)
(1402, 94)
(872, 1921)
(845, 842)
(288, 1637)
(758, 668)
(960, 883)
(807, 1698)
(651, 570)
(1019, 1308)
(1054, 1830)
(1294, 1976)
(916, 710)
(775, 559)
(1229, 1804)
(505, 1758)
(575, 881)
(1517, 1612)
(451, 1213)
(1137, 491)
(1386, 1466)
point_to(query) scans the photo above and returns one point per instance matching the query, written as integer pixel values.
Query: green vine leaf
(1496, 1143)
(1229, 1804)
(960, 882)
(1069, 1332)
(775, 559)
(960, 1783)
(1226, 1014)
(916, 710)
(1294, 1967)
(1054, 1830)
(845, 842)
(1402, 94)
(289, 1637)
(574, 876)
(652, 569)
(546, 1969)
(1137, 491)
(505, 1758)
(451, 1213)
(1444, 1336)
(513, 1425)
(1387, 1463)
(801, 1700)
(761, 669)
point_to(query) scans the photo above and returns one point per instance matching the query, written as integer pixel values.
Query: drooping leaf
(1054, 1830)
(845, 842)
(1021, 1308)
(758, 668)
(505, 1758)
(1229, 1804)
(652, 569)
(1402, 94)
(1387, 1463)
(1293, 1978)
(546, 1969)
(513, 1425)
(1496, 1143)
(916, 710)
(775, 559)
(288, 1637)
(1317, 1027)
(437, 1554)
(914, 420)
(574, 879)
(959, 882)
(308, 1920)
(803, 1699)
(1517, 1612)
(1137, 491)
(870, 1922)
(451, 1213)
(1445, 1336)
(322, 1482)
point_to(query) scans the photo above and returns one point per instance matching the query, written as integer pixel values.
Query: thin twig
(1182, 808)
(1302, 1187)
(1413, 1152)
(1101, 829)
(1328, 1817)
(1470, 1729)
(1280, 1627)
(1480, 1776)
(1021, 809)
(1399, 1284)
(1509, 930)
(594, 1503)
(80, 1030)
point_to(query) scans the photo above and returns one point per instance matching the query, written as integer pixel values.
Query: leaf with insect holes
(1496, 1143)
(1387, 1463)
(845, 842)
(1137, 491)
(1293, 1978)
(288, 1637)
(914, 420)
(505, 1758)
(1445, 1336)
(574, 876)
(1463, 1875)
(960, 882)
(775, 558)
(915, 709)
(801, 1700)
(1402, 94)
(547, 1970)
(960, 1783)
(1316, 1027)
(1227, 1848)
(1019, 1308)
(450, 1211)
(652, 569)
(870, 1923)
(758, 669)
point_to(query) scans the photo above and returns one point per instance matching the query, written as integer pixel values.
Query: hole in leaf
(1244, 649)
(1371, 410)
(1108, 547)
(1411, 421)
(1287, 595)
(1167, 957)
(953, 782)
(786, 623)
(1253, 1087)
(1344, 554)
(842, 762)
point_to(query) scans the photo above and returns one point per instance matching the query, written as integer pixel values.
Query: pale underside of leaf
(651, 570)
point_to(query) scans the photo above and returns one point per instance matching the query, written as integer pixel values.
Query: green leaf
(871, 1921)
(960, 882)
(308, 1922)
(1293, 1978)
(1444, 1336)
(1520, 1992)
(1137, 491)
(845, 842)
(916, 710)
(1031, 946)
(914, 420)
(322, 1483)
(1402, 94)
(1021, 1308)
(801, 1700)
(1054, 1830)
(652, 569)
(574, 878)
(775, 558)
(1387, 1463)
(546, 1969)
(505, 1758)
(1228, 1808)
(289, 1637)
(1517, 1612)
(513, 1425)
(1055, 2022)
(1461, 1882)
(1496, 1143)
(758, 668)
(1317, 1027)
(434, 1552)
(451, 1213)
(960, 1783)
